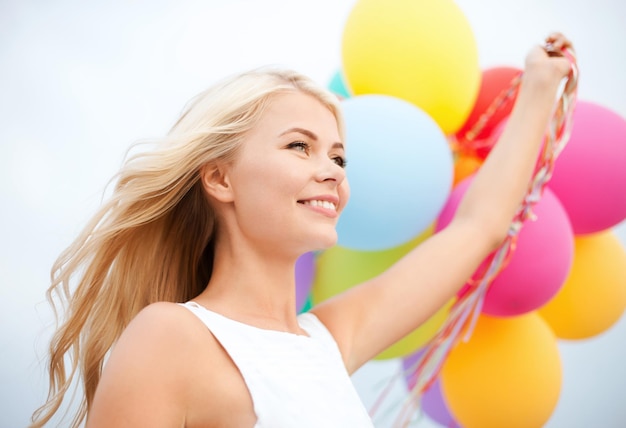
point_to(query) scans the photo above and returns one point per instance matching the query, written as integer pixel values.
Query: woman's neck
(254, 287)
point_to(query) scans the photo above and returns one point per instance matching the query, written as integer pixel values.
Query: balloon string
(465, 311)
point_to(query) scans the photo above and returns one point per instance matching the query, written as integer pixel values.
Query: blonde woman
(185, 276)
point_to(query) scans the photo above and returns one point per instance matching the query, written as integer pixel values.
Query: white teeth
(324, 204)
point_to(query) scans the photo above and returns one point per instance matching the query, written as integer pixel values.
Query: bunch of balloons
(411, 84)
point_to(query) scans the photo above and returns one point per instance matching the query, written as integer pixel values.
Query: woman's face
(288, 181)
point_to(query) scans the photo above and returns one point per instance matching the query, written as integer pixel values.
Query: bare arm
(168, 370)
(370, 317)
(143, 381)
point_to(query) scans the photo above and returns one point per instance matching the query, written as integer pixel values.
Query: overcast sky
(80, 81)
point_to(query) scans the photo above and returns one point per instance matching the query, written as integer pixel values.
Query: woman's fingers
(558, 42)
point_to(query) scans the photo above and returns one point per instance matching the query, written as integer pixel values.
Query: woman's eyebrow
(311, 135)
(302, 131)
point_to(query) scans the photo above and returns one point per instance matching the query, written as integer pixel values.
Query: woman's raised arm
(370, 317)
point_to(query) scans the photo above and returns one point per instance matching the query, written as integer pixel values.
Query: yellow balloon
(593, 297)
(422, 51)
(340, 268)
(507, 375)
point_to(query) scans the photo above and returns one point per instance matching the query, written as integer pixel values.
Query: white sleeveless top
(295, 381)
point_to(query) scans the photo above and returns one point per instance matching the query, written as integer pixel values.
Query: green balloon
(339, 268)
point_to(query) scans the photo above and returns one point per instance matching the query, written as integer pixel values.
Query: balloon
(400, 170)
(339, 269)
(435, 407)
(308, 304)
(539, 264)
(590, 174)
(305, 270)
(507, 375)
(419, 50)
(594, 296)
(433, 403)
(338, 87)
(465, 165)
(494, 81)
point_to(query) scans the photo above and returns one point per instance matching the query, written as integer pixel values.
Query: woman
(250, 178)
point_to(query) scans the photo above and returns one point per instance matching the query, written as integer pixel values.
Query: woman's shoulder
(161, 315)
(154, 365)
(161, 330)
(171, 335)
(163, 325)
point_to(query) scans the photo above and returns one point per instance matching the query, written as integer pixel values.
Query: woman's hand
(546, 65)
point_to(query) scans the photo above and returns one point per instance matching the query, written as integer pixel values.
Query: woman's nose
(329, 170)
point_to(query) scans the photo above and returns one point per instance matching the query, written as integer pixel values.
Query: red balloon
(494, 81)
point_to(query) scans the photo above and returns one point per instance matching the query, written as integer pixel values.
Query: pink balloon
(539, 264)
(590, 174)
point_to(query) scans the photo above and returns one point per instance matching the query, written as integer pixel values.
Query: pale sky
(80, 81)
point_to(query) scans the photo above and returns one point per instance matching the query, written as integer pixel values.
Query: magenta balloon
(590, 174)
(540, 263)
(433, 402)
(305, 271)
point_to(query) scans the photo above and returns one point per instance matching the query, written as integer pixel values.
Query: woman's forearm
(499, 186)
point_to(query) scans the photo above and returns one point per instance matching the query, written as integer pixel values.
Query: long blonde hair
(152, 239)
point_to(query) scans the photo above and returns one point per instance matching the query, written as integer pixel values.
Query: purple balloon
(305, 270)
(408, 364)
(433, 403)
(435, 407)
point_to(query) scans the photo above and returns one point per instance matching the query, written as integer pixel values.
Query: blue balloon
(400, 172)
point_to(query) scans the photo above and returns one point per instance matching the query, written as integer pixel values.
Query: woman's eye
(341, 161)
(299, 145)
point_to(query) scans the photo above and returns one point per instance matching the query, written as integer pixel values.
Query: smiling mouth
(322, 204)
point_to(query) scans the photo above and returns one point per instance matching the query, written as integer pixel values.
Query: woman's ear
(216, 183)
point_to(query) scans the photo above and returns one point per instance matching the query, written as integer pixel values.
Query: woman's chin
(326, 242)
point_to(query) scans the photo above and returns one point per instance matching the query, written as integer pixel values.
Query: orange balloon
(507, 375)
(593, 297)
(464, 166)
